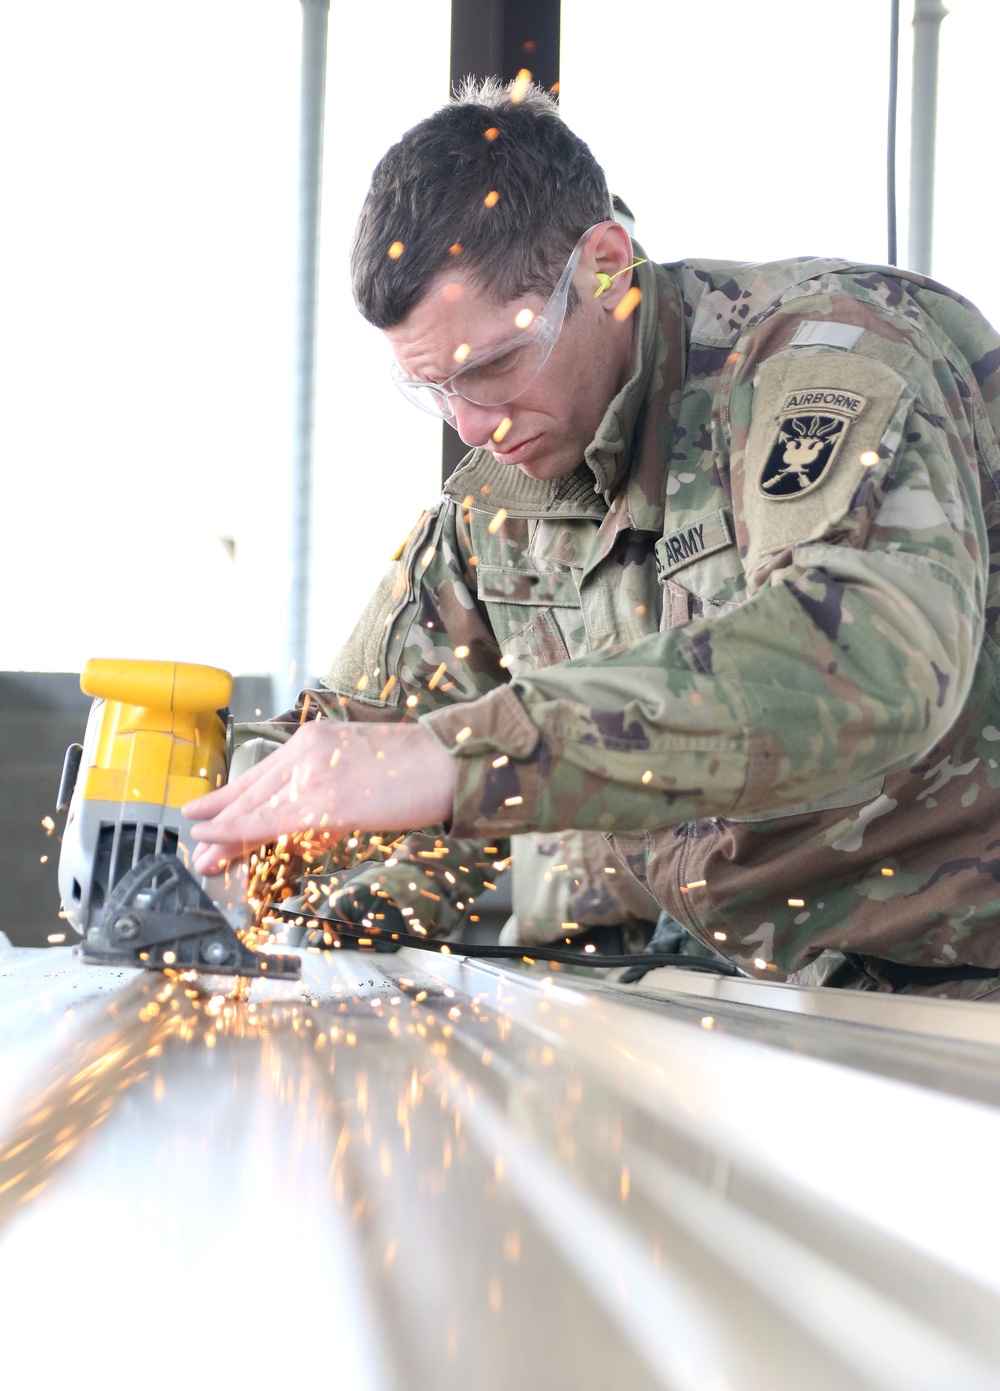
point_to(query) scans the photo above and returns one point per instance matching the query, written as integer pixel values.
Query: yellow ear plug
(605, 280)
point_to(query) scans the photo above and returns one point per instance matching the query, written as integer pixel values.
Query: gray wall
(41, 714)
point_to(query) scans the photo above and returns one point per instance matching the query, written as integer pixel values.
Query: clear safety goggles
(508, 369)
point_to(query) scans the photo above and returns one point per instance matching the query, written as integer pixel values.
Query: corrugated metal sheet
(411, 1171)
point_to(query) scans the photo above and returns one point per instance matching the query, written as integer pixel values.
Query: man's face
(556, 417)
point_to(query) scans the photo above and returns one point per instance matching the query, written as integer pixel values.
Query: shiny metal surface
(412, 1171)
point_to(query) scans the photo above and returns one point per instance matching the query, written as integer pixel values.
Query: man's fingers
(249, 796)
(214, 802)
(211, 859)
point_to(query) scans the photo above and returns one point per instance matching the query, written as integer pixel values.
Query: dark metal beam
(498, 38)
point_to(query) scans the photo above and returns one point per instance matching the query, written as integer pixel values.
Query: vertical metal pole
(890, 162)
(927, 17)
(315, 23)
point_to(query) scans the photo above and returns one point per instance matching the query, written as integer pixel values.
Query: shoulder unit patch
(810, 429)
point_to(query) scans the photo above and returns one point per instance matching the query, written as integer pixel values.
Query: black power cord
(318, 929)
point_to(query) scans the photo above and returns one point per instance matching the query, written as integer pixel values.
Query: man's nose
(475, 424)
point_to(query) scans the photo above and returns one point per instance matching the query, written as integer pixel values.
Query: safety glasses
(508, 369)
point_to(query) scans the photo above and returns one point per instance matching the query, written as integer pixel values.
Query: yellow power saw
(159, 734)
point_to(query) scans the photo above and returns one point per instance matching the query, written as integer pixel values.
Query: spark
(43, 860)
(647, 776)
(624, 1185)
(461, 352)
(796, 903)
(491, 134)
(520, 85)
(395, 251)
(492, 198)
(590, 948)
(502, 428)
(697, 883)
(707, 1022)
(56, 937)
(869, 458)
(451, 292)
(498, 519)
(455, 249)
(524, 317)
(501, 761)
(49, 825)
(461, 650)
(888, 872)
(627, 304)
(463, 734)
(719, 936)
(412, 701)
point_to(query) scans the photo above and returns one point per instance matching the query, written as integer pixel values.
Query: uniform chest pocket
(538, 617)
(700, 569)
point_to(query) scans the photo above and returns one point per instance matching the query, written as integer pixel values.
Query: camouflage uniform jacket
(753, 636)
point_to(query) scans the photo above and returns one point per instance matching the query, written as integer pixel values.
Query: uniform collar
(632, 447)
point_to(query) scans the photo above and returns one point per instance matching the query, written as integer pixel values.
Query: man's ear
(611, 257)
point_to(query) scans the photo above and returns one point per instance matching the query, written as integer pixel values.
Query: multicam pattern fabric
(779, 701)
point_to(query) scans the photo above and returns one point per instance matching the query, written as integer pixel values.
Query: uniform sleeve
(421, 644)
(858, 514)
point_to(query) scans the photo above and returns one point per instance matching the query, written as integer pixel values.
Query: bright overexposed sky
(148, 175)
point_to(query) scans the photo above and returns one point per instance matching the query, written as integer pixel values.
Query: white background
(148, 176)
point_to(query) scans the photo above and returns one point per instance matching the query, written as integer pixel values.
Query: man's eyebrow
(472, 357)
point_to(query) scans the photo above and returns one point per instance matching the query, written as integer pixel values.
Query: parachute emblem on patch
(801, 455)
(807, 442)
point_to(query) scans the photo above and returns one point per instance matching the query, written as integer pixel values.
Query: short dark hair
(431, 203)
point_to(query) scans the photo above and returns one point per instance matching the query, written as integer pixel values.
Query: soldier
(715, 578)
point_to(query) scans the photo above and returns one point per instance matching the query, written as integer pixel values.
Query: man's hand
(329, 779)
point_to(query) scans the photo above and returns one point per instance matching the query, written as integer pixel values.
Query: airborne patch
(811, 427)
